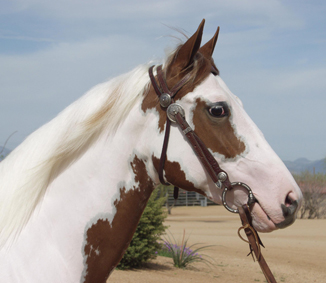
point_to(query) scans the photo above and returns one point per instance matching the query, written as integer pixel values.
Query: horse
(72, 193)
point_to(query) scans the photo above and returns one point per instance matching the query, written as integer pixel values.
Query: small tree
(313, 187)
(145, 242)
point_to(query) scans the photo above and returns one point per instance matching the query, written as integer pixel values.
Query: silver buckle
(187, 130)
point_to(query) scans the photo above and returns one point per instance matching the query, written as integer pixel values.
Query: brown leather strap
(210, 164)
(173, 91)
(163, 88)
(206, 158)
(163, 153)
(160, 77)
(151, 75)
(254, 242)
(176, 193)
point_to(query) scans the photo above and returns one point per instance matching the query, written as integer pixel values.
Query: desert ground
(295, 254)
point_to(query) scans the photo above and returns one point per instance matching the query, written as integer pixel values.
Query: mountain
(303, 164)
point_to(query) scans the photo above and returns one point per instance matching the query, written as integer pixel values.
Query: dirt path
(296, 254)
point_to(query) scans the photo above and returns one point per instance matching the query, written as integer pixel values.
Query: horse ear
(208, 49)
(189, 49)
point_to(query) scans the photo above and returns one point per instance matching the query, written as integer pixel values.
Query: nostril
(289, 212)
(288, 201)
(289, 209)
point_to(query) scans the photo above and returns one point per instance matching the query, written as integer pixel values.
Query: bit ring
(251, 197)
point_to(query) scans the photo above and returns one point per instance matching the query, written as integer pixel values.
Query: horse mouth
(261, 221)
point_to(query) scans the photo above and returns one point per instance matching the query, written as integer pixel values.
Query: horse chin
(261, 221)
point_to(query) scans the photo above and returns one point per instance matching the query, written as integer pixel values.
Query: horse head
(218, 118)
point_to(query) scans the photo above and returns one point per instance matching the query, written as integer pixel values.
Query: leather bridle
(175, 114)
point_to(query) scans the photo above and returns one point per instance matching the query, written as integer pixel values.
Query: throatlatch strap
(163, 153)
(154, 84)
(176, 193)
(163, 88)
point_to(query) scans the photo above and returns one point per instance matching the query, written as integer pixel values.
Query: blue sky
(270, 53)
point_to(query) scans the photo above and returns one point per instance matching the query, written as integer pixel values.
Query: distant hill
(303, 164)
(4, 153)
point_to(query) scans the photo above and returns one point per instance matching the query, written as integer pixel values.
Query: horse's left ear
(208, 49)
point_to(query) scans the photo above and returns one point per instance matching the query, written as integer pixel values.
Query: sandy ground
(295, 254)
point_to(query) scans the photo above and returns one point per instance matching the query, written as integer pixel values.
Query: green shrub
(145, 242)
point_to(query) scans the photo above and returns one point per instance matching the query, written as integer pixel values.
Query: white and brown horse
(72, 193)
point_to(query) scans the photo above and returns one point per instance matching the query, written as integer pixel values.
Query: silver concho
(222, 176)
(173, 110)
(165, 100)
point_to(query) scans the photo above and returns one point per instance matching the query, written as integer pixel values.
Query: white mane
(26, 173)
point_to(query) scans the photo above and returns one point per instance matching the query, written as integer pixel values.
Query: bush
(145, 242)
(313, 187)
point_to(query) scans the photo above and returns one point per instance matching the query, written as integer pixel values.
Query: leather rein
(175, 114)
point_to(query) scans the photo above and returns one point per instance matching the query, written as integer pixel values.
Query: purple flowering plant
(181, 254)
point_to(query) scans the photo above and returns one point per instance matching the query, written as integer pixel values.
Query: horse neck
(107, 237)
(90, 211)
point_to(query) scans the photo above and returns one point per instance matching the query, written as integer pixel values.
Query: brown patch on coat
(176, 176)
(151, 101)
(199, 70)
(107, 242)
(217, 133)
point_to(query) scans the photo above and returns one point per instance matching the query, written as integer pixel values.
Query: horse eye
(217, 111)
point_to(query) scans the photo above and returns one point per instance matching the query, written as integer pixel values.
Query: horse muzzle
(289, 213)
